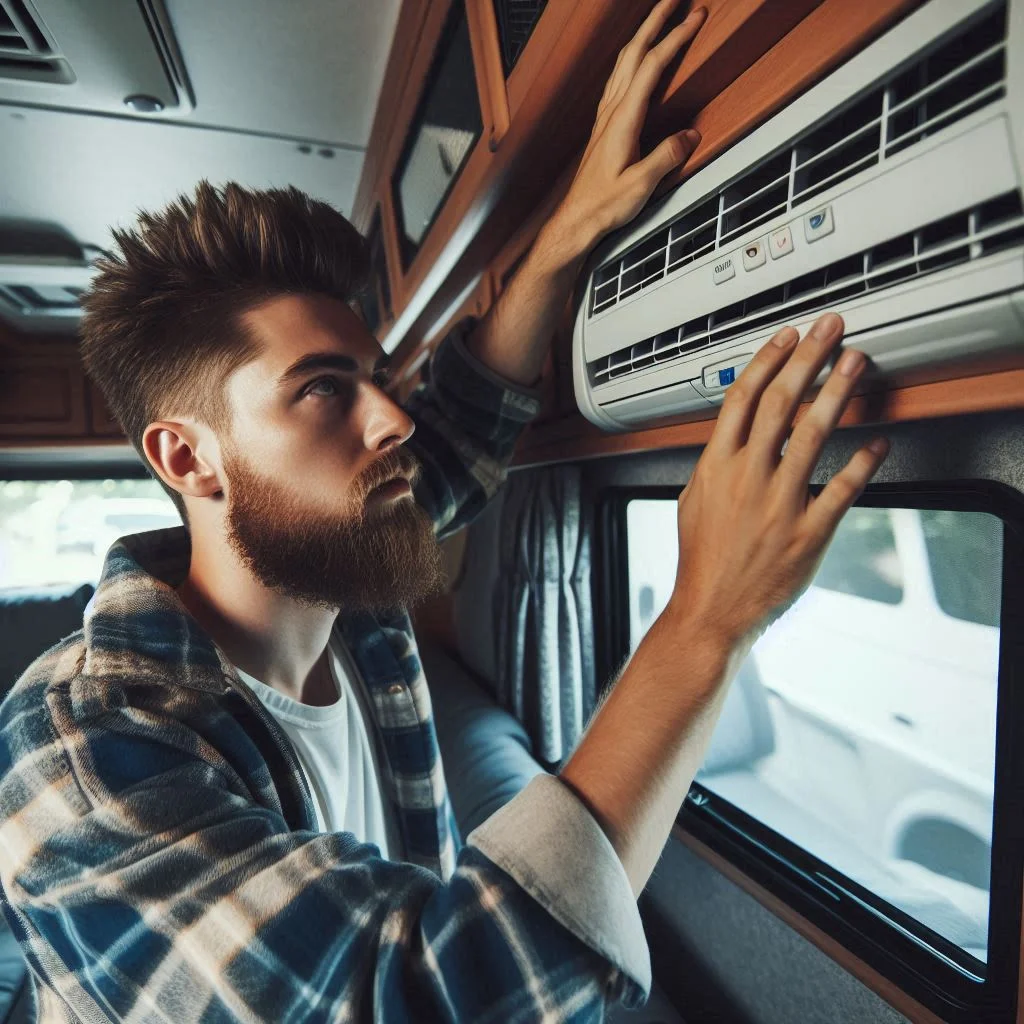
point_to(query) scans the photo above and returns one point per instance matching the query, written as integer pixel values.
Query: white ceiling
(268, 76)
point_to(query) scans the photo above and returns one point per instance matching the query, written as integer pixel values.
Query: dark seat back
(32, 620)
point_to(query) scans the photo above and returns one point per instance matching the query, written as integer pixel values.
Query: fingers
(810, 434)
(741, 400)
(669, 154)
(844, 488)
(774, 417)
(629, 108)
(633, 52)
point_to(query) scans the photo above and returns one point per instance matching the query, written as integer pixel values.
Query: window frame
(408, 251)
(934, 970)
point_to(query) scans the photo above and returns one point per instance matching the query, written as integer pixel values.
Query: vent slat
(960, 238)
(16, 20)
(516, 21)
(945, 83)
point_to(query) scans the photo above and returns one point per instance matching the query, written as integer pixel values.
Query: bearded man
(223, 798)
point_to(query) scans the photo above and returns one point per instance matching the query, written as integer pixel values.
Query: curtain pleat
(542, 609)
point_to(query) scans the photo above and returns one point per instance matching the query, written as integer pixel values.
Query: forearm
(514, 338)
(638, 757)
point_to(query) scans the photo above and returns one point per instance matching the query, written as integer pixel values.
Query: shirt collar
(138, 630)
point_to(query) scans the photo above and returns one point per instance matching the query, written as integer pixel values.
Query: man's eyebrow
(326, 361)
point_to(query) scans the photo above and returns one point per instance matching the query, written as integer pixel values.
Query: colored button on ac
(754, 255)
(780, 242)
(721, 375)
(818, 224)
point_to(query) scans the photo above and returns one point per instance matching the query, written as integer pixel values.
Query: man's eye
(382, 378)
(330, 383)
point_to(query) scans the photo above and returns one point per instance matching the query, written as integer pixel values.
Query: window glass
(442, 134)
(965, 553)
(862, 726)
(862, 559)
(58, 531)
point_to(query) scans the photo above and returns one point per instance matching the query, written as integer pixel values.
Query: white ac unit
(106, 56)
(889, 192)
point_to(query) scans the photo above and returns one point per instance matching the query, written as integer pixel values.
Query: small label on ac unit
(724, 270)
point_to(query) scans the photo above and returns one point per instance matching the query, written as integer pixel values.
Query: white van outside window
(873, 742)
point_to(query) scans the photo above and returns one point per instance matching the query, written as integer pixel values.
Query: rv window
(58, 531)
(443, 132)
(862, 727)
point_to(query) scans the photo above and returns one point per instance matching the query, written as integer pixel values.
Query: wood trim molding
(863, 972)
(733, 37)
(547, 32)
(409, 33)
(490, 72)
(575, 438)
(832, 32)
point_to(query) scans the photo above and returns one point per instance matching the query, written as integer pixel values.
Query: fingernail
(850, 362)
(826, 326)
(879, 445)
(692, 136)
(785, 337)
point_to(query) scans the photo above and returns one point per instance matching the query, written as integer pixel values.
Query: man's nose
(386, 423)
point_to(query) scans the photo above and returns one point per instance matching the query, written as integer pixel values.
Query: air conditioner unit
(890, 192)
(110, 56)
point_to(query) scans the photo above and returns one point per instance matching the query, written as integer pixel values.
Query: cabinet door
(101, 421)
(41, 398)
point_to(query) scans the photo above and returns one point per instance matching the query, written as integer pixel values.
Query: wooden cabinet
(44, 393)
(749, 59)
(41, 397)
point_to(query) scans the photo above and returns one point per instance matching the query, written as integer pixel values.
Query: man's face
(319, 500)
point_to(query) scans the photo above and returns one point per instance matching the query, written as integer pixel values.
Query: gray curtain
(543, 619)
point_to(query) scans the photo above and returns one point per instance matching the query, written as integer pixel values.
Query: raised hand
(613, 182)
(750, 533)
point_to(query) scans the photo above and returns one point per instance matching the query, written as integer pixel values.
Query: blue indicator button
(727, 376)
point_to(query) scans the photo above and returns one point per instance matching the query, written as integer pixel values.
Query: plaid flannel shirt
(159, 858)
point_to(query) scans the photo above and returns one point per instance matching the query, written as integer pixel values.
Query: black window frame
(935, 971)
(408, 249)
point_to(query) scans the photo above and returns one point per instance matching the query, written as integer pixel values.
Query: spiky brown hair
(162, 326)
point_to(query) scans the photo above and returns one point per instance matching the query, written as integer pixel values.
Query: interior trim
(864, 973)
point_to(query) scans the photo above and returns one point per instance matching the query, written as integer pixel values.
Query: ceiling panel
(302, 68)
(86, 173)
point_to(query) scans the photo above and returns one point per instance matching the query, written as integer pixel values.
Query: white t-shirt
(337, 754)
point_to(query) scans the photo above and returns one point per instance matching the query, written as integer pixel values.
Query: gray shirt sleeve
(548, 841)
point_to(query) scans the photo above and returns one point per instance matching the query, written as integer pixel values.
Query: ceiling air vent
(950, 81)
(25, 51)
(516, 22)
(105, 56)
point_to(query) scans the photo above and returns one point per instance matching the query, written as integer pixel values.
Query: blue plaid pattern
(158, 853)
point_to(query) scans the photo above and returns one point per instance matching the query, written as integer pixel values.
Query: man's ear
(176, 451)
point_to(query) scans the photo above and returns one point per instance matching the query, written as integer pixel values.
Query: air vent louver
(516, 22)
(947, 83)
(964, 236)
(25, 52)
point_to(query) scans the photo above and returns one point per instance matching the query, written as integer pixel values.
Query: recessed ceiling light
(142, 104)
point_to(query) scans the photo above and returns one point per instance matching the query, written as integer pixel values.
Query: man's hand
(750, 534)
(613, 183)
(750, 538)
(610, 188)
